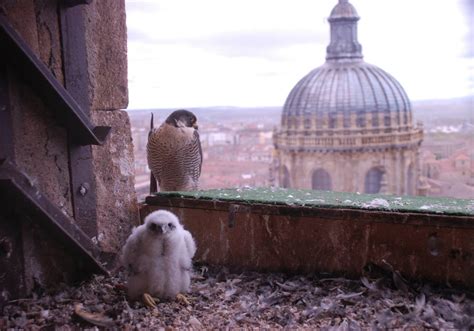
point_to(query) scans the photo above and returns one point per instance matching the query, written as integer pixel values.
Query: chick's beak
(157, 229)
(164, 229)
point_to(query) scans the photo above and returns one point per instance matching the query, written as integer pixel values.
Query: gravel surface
(221, 299)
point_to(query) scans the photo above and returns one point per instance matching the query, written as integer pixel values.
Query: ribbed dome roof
(346, 92)
(343, 10)
(349, 87)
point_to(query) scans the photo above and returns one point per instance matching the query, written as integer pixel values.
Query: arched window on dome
(386, 119)
(297, 123)
(321, 180)
(360, 120)
(307, 123)
(332, 120)
(319, 120)
(291, 122)
(346, 120)
(373, 180)
(375, 119)
(285, 180)
(410, 178)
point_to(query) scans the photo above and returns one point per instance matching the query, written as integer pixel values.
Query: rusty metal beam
(6, 133)
(19, 55)
(19, 192)
(258, 236)
(76, 81)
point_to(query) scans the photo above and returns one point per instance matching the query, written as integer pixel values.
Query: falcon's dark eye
(171, 226)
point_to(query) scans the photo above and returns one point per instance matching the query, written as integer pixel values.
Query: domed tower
(347, 125)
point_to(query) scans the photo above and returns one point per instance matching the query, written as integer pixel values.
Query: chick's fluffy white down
(158, 255)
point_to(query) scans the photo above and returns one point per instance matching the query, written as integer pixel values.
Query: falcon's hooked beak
(195, 125)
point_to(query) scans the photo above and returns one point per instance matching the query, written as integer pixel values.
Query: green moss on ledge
(326, 199)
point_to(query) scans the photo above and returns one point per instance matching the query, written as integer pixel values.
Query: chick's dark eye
(170, 225)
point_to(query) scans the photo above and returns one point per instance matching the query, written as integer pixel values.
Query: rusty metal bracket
(76, 81)
(19, 55)
(6, 133)
(16, 189)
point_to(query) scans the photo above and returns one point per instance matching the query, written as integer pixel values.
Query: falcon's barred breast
(174, 152)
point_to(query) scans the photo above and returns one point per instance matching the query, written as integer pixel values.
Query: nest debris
(222, 299)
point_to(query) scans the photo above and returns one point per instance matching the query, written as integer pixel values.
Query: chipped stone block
(21, 15)
(106, 35)
(117, 210)
(49, 36)
(40, 145)
(47, 261)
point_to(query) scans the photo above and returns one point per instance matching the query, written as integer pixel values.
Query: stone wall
(40, 147)
(41, 144)
(106, 33)
(114, 169)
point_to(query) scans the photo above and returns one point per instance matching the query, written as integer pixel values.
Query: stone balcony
(342, 142)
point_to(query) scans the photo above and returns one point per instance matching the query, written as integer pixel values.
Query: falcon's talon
(182, 298)
(148, 300)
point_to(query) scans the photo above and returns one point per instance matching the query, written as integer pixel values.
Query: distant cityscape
(237, 146)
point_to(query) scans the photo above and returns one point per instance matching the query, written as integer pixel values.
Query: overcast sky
(188, 53)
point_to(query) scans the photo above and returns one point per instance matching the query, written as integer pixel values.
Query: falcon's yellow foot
(182, 298)
(148, 300)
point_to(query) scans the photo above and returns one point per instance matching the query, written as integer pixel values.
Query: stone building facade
(347, 125)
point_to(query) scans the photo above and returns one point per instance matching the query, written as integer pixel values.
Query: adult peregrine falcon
(174, 152)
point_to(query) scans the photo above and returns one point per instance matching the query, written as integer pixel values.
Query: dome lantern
(344, 44)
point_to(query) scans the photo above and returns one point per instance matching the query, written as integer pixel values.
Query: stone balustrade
(343, 142)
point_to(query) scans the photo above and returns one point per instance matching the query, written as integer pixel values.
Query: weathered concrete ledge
(240, 229)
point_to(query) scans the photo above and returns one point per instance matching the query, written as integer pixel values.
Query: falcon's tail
(153, 186)
(151, 125)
